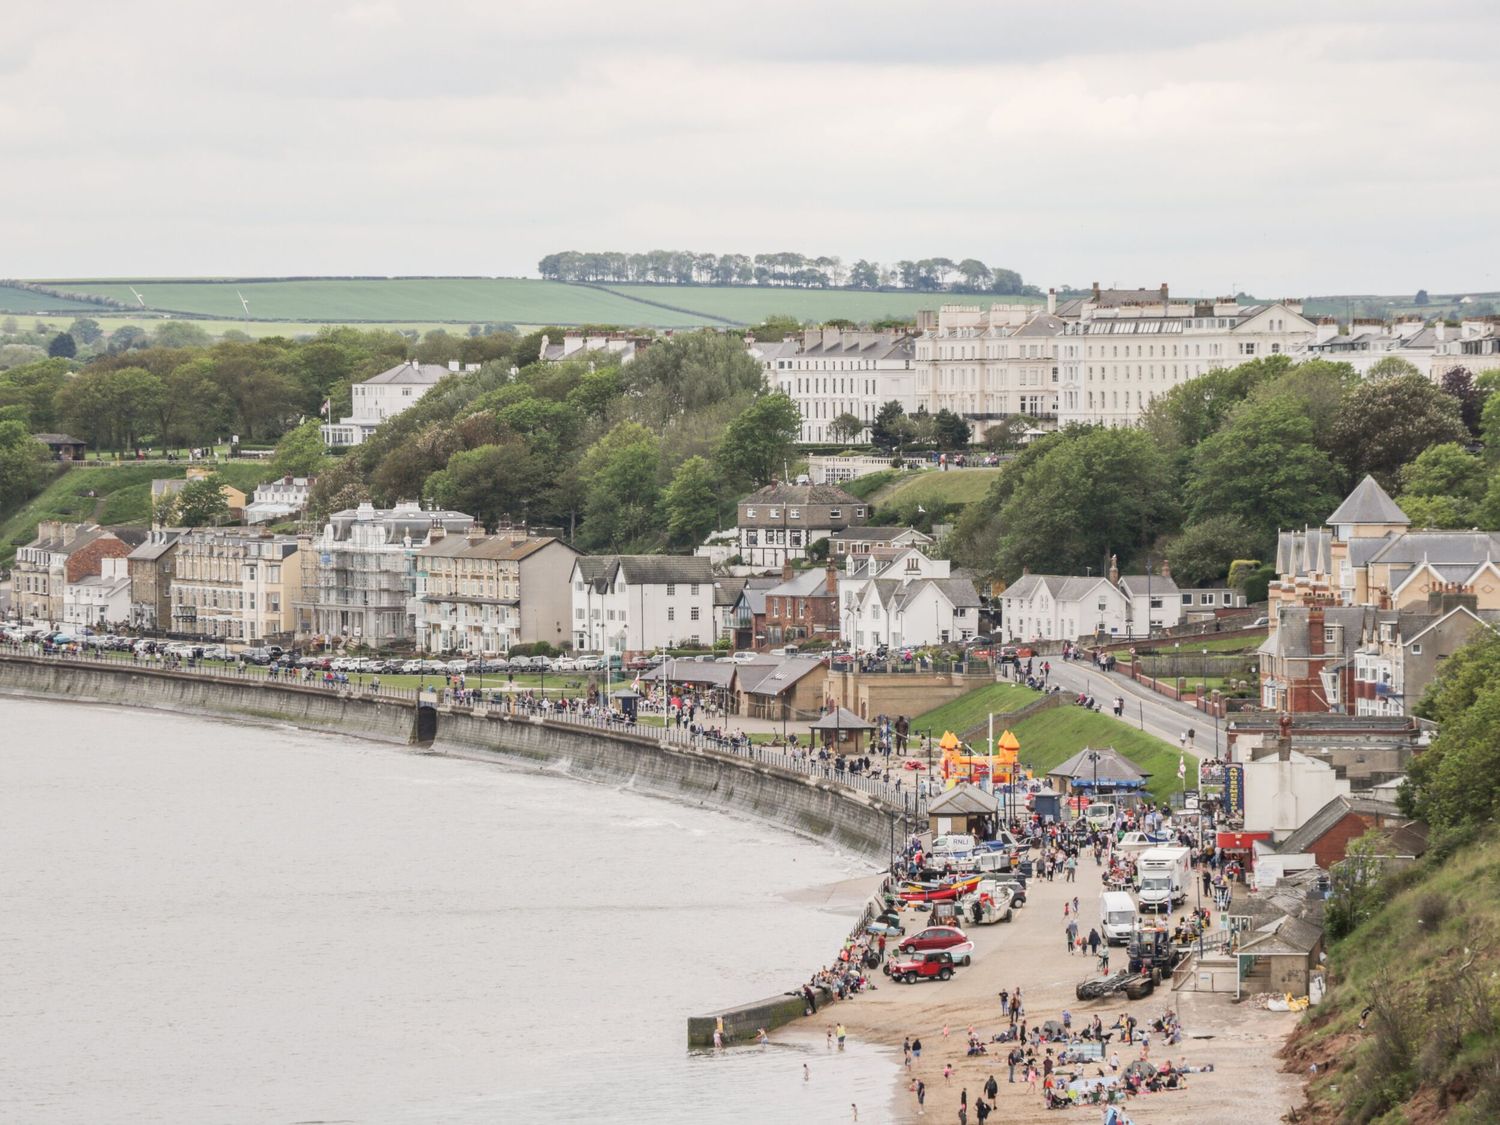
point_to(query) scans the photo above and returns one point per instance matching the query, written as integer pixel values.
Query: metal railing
(900, 799)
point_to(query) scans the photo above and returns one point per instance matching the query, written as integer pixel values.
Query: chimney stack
(1166, 571)
(1164, 292)
(1114, 570)
(786, 567)
(1096, 290)
(1052, 302)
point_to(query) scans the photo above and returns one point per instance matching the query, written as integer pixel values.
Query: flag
(327, 405)
(1181, 767)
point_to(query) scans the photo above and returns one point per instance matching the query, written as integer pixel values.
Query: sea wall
(852, 821)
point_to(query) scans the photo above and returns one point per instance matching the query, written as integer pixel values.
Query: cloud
(1304, 148)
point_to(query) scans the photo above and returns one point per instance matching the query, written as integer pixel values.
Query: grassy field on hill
(751, 304)
(956, 486)
(973, 708)
(1052, 737)
(122, 495)
(24, 301)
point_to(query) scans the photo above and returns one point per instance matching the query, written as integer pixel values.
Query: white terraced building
(386, 395)
(832, 371)
(988, 363)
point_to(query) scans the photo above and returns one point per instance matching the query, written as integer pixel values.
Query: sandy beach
(1240, 1041)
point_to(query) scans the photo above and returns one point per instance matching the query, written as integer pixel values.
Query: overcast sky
(1285, 148)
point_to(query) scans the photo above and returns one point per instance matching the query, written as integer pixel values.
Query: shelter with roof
(63, 447)
(841, 730)
(1097, 772)
(785, 688)
(964, 808)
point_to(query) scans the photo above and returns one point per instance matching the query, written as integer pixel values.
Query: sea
(206, 921)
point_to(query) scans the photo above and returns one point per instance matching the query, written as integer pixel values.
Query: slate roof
(963, 800)
(510, 548)
(1325, 819)
(1113, 766)
(645, 570)
(879, 534)
(157, 545)
(424, 374)
(692, 672)
(840, 718)
(727, 590)
(805, 584)
(1137, 585)
(1044, 324)
(1368, 503)
(1062, 587)
(803, 494)
(1284, 937)
(1304, 552)
(58, 439)
(774, 678)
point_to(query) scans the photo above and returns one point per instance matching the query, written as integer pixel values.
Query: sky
(1281, 147)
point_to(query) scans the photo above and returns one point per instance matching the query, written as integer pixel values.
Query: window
(834, 513)
(1187, 599)
(671, 590)
(749, 513)
(671, 613)
(1416, 650)
(774, 513)
(693, 589)
(1329, 636)
(794, 513)
(1209, 599)
(693, 613)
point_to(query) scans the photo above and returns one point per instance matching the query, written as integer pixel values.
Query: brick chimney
(1451, 595)
(1164, 292)
(833, 579)
(786, 568)
(1315, 631)
(1166, 571)
(1096, 290)
(1114, 570)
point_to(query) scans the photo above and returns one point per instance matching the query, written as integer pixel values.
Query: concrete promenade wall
(823, 809)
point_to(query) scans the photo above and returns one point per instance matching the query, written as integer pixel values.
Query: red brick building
(62, 553)
(803, 607)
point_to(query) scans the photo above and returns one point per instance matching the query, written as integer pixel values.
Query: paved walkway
(1151, 712)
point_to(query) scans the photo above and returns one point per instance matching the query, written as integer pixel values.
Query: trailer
(1132, 984)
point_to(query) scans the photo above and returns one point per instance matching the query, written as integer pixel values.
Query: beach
(1237, 1039)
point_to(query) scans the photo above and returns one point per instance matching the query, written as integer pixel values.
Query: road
(1153, 713)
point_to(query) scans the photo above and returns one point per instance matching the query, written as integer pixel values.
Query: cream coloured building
(235, 584)
(987, 363)
(828, 372)
(484, 593)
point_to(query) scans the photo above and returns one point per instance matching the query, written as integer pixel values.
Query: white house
(1156, 593)
(1059, 606)
(99, 599)
(386, 395)
(278, 499)
(639, 603)
(833, 371)
(1284, 789)
(987, 363)
(906, 600)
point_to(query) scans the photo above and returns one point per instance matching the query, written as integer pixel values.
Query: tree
(496, 483)
(1386, 423)
(1264, 468)
(198, 503)
(691, 503)
(23, 464)
(62, 346)
(126, 337)
(846, 427)
(1455, 782)
(773, 329)
(179, 334)
(1191, 411)
(1204, 552)
(1390, 367)
(1006, 434)
(619, 475)
(864, 275)
(32, 388)
(951, 430)
(301, 452)
(886, 431)
(1421, 299)
(687, 374)
(757, 443)
(1442, 487)
(86, 331)
(1459, 384)
(1086, 493)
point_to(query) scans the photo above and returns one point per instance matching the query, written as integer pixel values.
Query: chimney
(1450, 596)
(786, 568)
(1052, 302)
(453, 365)
(1164, 292)
(1114, 570)
(1315, 631)
(1439, 330)
(833, 580)
(1096, 290)
(1166, 571)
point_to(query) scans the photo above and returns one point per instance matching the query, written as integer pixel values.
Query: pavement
(1151, 712)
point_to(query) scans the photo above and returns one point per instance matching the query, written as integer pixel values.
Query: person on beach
(839, 1032)
(916, 1050)
(906, 1052)
(921, 1097)
(947, 1072)
(1071, 931)
(991, 1091)
(1093, 941)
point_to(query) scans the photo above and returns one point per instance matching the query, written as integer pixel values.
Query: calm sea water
(211, 922)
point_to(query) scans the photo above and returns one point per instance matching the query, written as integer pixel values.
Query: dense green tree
(86, 331)
(886, 431)
(1388, 422)
(1090, 493)
(1390, 367)
(1421, 298)
(180, 334)
(191, 409)
(1264, 468)
(757, 444)
(846, 427)
(775, 328)
(498, 484)
(253, 380)
(621, 490)
(33, 388)
(1443, 487)
(692, 502)
(688, 373)
(1006, 434)
(1191, 411)
(62, 346)
(300, 452)
(23, 464)
(198, 503)
(109, 408)
(1459, 383)
(1204, 551)
(126, 337)
(438, 346)
(1317, 389)
(1455, 783)
(951, 430)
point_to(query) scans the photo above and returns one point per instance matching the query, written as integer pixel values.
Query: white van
(1101, 814)
(1116, 917)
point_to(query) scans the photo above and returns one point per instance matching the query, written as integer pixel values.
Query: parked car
(932, 964)
(565, 664)
(411, 668)
(457, 667)
(950, 938)
(744, 656)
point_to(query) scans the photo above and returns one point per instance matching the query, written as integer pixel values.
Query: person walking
(916, 1050)
(1071, 932)
(1013, 1060)
(921, 1097)
(991, 1088)
(1093, 941)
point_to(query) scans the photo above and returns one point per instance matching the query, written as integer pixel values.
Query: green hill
(1052, 737)
(973, 708)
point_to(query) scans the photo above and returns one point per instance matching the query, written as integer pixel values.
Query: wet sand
(1246, 1086)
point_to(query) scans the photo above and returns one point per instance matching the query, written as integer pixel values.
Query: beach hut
(963, 809)
(626, 702)
(841, 730)
(1098, 772)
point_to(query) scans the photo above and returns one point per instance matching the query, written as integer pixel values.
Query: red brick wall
(85, 561)
(1333, 845)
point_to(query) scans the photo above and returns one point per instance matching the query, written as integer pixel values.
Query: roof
(711, 674)
(880, 534)
(1044, 324)
(1136, 585)
(806, 584)
(963, 800)
(644, 570)
(411, 372)
(1304, 552)
(58, 439)
(1285, 936)
(773, 678)
(840, 718)
(1327, 818)
(157, 545)
(1368, 503)
(510, 548)
(727, 590)
(804, 494)
(1112, 766)
(1062, 587)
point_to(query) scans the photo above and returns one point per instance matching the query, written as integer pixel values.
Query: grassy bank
(973, 708)
(1427, 964)
(1052, 737)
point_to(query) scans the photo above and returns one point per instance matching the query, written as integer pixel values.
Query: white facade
(278, 499)
(384, 396)
(575, 344)
(641, 603)
(99, 600)
(1474, 346)
(1283, 794)
(1058, 607)
(989, 363)
(906, 600)
(835, 371)
(1116, 357)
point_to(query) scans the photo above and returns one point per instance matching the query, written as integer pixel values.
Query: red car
(934, 937)
(929, 965)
